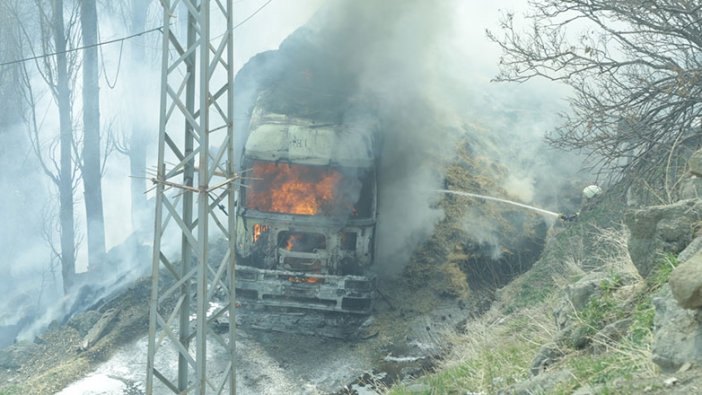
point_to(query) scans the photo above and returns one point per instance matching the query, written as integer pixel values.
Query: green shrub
(661, 273)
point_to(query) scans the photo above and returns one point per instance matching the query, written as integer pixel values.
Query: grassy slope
(497, 349)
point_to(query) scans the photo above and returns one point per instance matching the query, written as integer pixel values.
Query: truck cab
(306, 215)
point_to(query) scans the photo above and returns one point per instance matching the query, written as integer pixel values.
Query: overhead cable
(121, 39)
(46, 55)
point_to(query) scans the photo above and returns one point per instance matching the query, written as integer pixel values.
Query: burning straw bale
(478, 244)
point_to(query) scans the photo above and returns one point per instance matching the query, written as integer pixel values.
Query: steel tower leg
(195, 181)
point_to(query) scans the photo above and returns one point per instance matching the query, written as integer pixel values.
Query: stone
(418, 388)
(577, 296)
(686, 282)
(691, 188)
(101, 327)
(658, 230)
(588, 390)
(690, 251)
(579, 337)
(611, 334)
(542, 384)
(547, 355)
(83, 322)
(677, 338)
(695, 163)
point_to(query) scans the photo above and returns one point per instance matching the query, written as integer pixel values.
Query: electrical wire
(253, 14)
(82, 48)
(119, 63)
(122, 39)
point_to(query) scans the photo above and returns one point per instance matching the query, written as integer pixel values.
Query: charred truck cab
(306, 216)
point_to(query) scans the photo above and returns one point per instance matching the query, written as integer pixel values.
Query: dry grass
(497, 349)
(493, 352)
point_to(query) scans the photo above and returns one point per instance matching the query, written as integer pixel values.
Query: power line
(122, 39)
(82, 48)
(253, 14)
(245, 19)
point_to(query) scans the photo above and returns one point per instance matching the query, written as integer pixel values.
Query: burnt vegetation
(635, 69)
(479, 246)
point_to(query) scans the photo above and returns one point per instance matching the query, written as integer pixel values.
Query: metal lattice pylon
(194, 183)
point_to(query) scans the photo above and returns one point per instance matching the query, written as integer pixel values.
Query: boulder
(577, 296)
(677, 333)
(686, 283)
(695, 163)
(83, 322)
(101, 327)
(691, 188)
(611, 334)
(691, 250)
(661, 229)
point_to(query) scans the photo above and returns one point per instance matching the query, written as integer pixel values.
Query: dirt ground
(400, 340)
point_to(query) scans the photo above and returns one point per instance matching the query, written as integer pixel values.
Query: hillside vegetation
(586, 318)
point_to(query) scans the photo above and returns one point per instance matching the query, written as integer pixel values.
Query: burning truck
(306, 216)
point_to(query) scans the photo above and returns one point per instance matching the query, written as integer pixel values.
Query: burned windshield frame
(352, 189)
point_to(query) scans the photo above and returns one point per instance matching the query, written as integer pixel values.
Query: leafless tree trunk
(91, 165)
(65, 184)
(138, 139)
(135, 142)
(9, 75)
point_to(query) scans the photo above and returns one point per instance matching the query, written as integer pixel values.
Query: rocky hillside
(613, 306)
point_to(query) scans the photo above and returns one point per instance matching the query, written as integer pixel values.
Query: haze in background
(422, 67)
(418, 72)
(31, 285)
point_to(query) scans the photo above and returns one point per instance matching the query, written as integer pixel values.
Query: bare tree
(12, 109)
(10, 95)
(139, 136)
(91, 164)
(135, 142)
(57, 158)
(635, 67)
(63, 98)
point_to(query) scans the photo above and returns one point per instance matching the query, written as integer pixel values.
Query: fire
(290, 244)
(307, 280)
(292, 189)
(258, 229)
(301, 241)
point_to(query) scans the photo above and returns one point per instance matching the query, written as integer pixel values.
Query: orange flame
(308, 280)
(257, 230)
(290, 244)
(292, 189)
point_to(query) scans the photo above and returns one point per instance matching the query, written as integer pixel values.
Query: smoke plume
(402, 69)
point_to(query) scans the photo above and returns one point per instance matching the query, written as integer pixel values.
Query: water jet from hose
(494, 199)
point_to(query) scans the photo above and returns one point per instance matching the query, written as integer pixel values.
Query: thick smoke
(29, 278)
(417, 71)
(366, 65)
(396, 45)
(412, 71)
